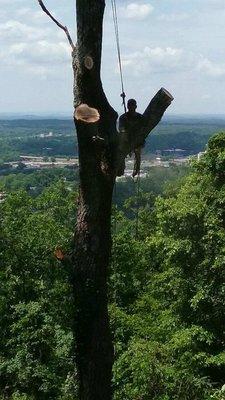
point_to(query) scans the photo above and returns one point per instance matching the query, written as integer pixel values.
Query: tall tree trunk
(93, 231)
(91, 259)
(92, 252)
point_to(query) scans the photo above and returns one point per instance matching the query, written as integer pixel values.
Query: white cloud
(42, 52)
(28, 14)
(206, 97)
(173, 17)
(16, 31)
(171, 60)
(136, 11)
(215, 4)
(36, 50)
(157, 59)
(12, 2)
(212, 69)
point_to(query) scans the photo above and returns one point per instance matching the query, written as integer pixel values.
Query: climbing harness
(116, 27)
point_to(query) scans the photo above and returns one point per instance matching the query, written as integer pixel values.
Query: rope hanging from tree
(123, 95)
(116, 27)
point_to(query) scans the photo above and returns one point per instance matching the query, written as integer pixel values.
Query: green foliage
(167, 285)
(170, 334)
(23, 137)
(213, 161)
(34, 182)
(36, 298)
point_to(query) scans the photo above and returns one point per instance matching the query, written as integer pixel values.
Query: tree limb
(64, 28)
(156, 108)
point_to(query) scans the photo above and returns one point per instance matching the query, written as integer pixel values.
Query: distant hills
(10, 116)
(27, 134)
(182, 118)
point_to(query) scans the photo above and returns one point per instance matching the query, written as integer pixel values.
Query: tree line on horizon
(23, 138)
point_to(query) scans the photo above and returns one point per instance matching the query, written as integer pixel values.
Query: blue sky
(178, 44)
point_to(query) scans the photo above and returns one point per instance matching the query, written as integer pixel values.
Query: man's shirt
(131, 122)
(130, 125)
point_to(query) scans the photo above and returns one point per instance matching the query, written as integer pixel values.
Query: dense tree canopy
(167, 291)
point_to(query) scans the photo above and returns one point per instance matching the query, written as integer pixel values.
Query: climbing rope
(116, 27)
(123, 95)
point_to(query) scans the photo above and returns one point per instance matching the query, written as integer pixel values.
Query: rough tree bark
(100, 154)
(92, 240)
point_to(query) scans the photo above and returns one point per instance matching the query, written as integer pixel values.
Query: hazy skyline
(178, 44)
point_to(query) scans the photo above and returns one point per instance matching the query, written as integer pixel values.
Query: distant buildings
(172, 153)
(35, 162)
(165, 158)
(46, 135)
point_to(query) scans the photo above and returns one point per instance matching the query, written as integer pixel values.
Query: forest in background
(166, 283)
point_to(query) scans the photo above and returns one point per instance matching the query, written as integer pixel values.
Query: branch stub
(88, 62)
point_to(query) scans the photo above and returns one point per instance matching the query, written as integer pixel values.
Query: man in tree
(130, 123)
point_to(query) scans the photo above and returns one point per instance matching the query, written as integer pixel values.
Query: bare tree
(100, 154)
